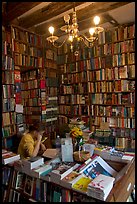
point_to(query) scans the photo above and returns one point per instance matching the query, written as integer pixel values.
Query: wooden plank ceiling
(42, 15)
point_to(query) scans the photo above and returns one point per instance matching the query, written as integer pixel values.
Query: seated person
(30, 144)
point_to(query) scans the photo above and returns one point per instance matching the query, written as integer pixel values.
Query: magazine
(98, 166)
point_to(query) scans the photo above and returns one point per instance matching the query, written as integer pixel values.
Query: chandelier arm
(90, 41)
(59, 45)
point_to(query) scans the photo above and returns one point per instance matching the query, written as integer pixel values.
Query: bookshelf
(8, 91)
(99, 83)
(28, 55)
(50, 64)
(73, 89)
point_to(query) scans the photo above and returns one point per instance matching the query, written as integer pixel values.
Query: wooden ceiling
(38, 16)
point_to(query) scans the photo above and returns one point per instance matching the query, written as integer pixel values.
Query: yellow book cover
(82, 184)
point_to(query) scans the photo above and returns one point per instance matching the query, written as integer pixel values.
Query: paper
(19, 108)
(67, 149)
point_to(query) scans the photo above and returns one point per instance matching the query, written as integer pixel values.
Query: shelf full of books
(50, 64)
(73, 87)
(99, 82)
(27, 50)
(8, 90)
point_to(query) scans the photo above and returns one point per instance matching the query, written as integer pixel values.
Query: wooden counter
(123, 187)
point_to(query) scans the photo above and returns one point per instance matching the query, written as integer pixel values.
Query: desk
(123, 187)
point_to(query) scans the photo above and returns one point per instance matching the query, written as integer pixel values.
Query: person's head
(35, 129)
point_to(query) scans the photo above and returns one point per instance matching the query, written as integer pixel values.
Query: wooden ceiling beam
(15, 9)
(46, 13)
(83, 15)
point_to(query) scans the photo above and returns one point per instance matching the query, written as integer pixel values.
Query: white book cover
(10, 157)
(101, 186)
(41, 170)
(98, 166)
(32, 162)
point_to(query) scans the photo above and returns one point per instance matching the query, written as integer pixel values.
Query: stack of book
(9, 157)
(100, 187)
(31, 163)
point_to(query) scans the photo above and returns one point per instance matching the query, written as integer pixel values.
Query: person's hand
(42, 146)
(39, 137)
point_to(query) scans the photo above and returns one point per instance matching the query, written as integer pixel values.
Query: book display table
(122, 189)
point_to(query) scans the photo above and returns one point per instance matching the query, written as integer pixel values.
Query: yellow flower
(76, 132)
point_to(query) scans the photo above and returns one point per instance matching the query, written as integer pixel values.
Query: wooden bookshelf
(99, 82)
(8, 90)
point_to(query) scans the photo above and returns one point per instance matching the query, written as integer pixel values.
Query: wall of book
(50, 64)
(28, 56)
(73, 87)
(99, 82)
(8, 90)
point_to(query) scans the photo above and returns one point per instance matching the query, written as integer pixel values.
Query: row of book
(26, 60)
(7, 77)
(72, 99)
(108, 111)
(8, 104)
(52, 91)
(114, 73)
(111, 86)
(32, 102)
(50, 54)
(79, 88)
(125, 133)
(29, 75)
(8, 130)
(7, 62)
(107, 61)
(26, 37)
(118, 34)
(50, 64)
(73, 110)
(113, 98)
(114, 122)
(8, 118)
(27, 50)
(6, 48)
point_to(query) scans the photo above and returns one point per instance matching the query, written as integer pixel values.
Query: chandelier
(72, 31)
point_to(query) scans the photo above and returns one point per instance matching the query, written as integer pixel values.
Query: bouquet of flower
(76, 133)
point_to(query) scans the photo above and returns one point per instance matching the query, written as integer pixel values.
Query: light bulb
(66, 18)
(71, 38)
(51, 30)
(96, 20)
(91, 31)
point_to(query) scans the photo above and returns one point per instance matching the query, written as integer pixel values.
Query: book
(20, 180)
(100, 187)
(70, 179)
(81, 184)
(32, 163)
(43, 169)
(28, 188)
(98, 166)
(61, 170)
(9, 157)
(50, 153)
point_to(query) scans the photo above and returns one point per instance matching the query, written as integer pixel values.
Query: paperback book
(70, 179)
(9, 157)
(100, 187)
(98, 166)
(82, 183)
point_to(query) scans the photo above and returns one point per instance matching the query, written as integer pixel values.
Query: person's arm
(37, 146)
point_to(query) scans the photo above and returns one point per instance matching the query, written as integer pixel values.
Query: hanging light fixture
(72, 31)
